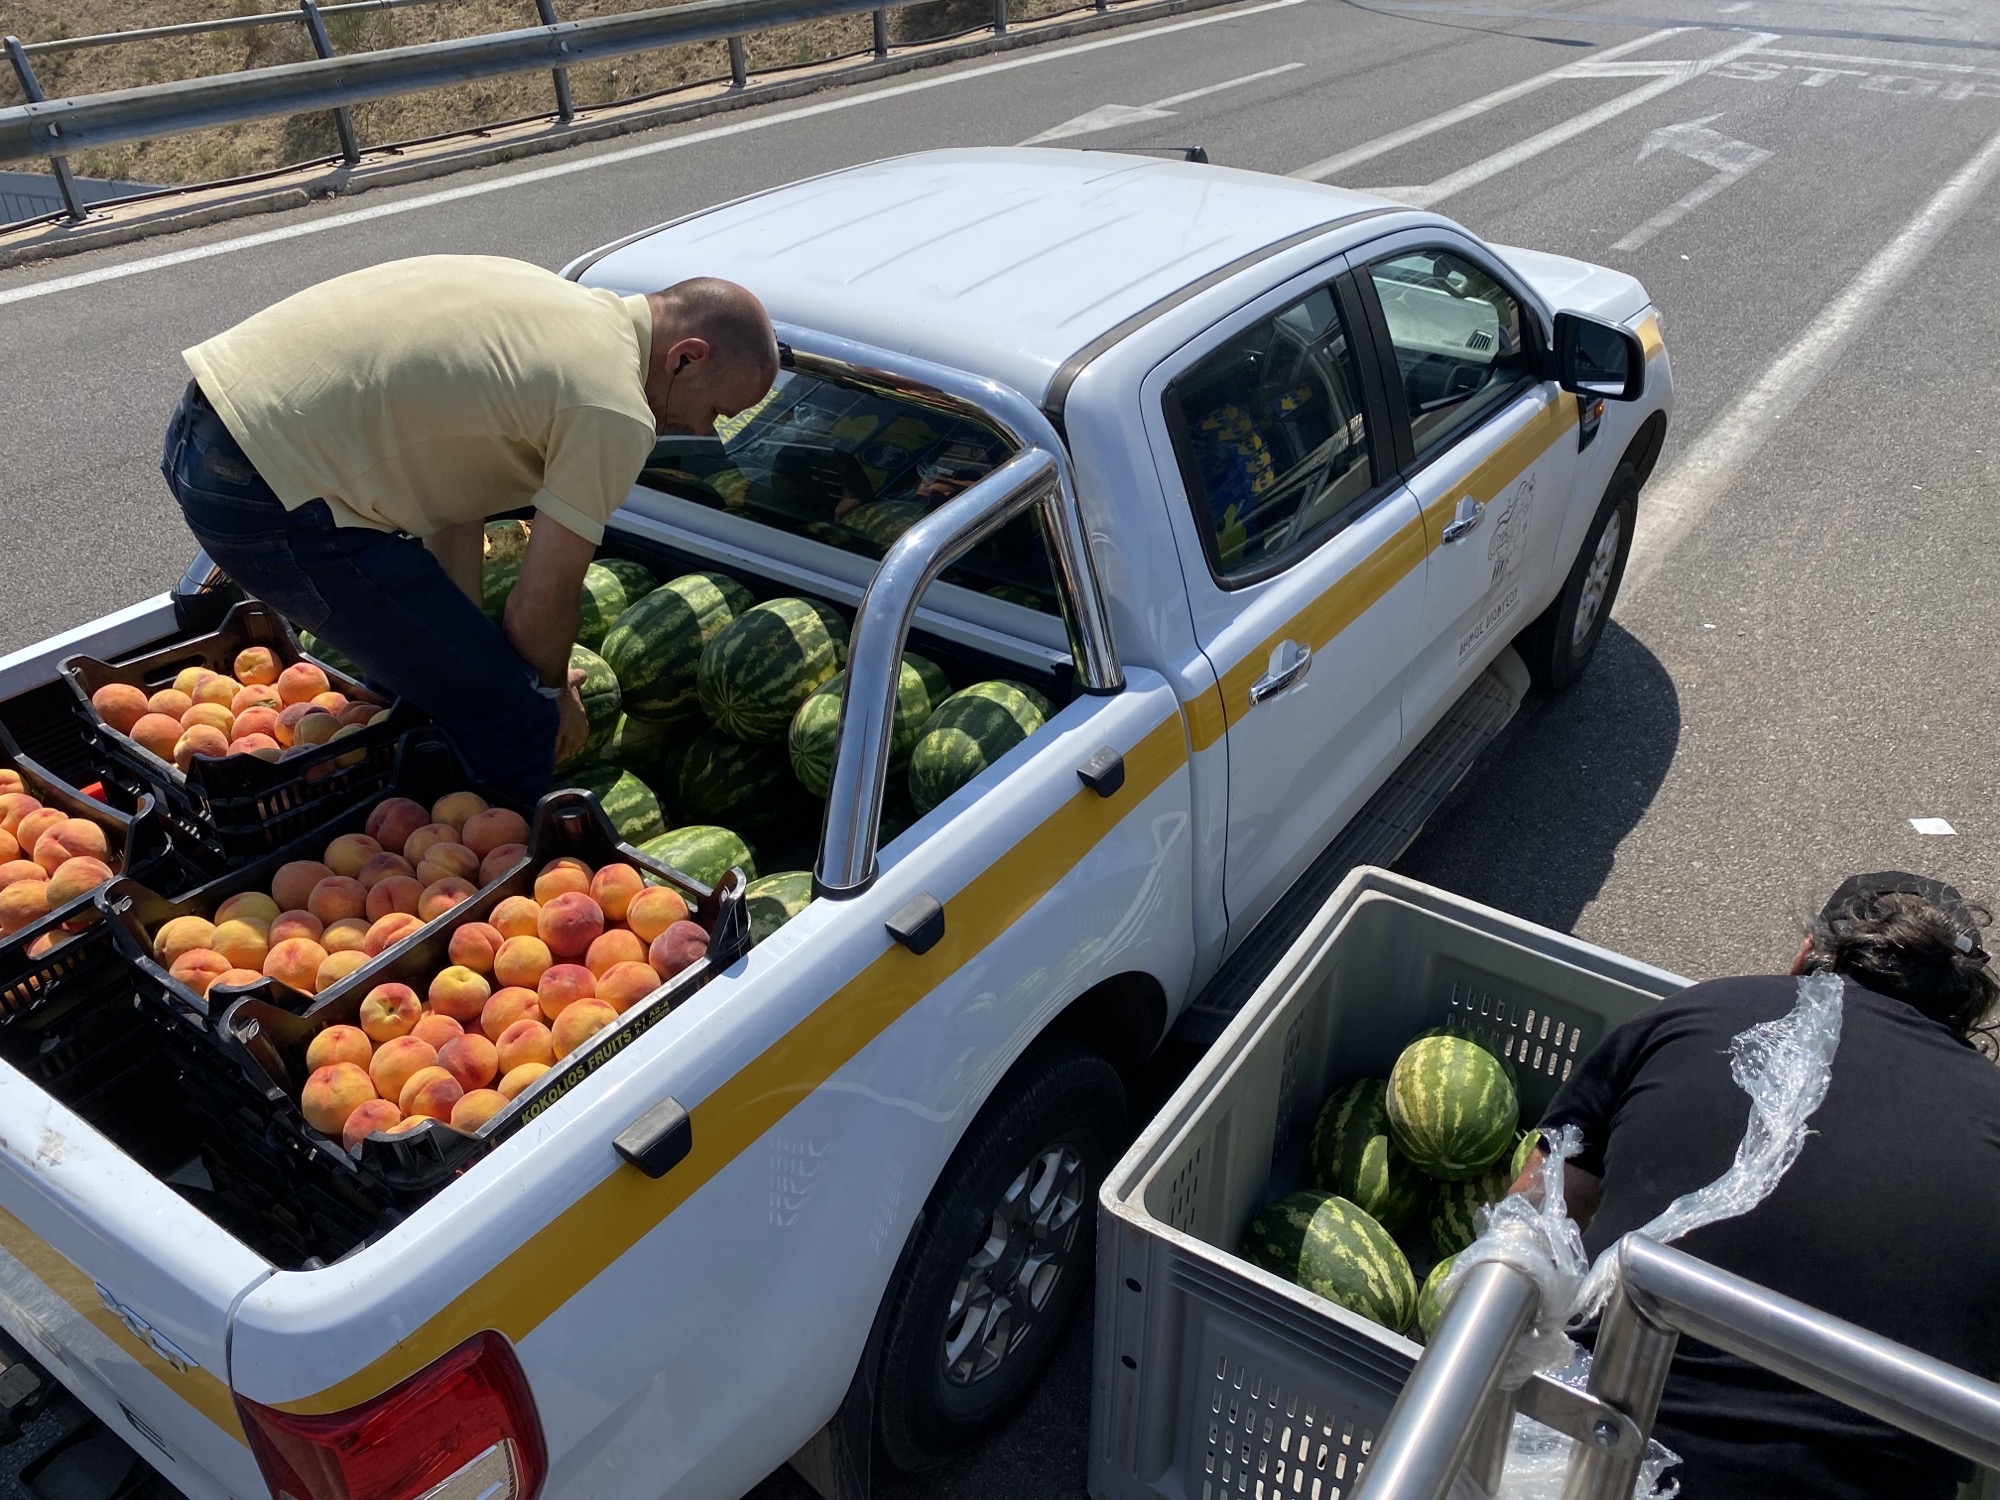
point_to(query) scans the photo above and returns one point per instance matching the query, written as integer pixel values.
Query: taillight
(463, 1429)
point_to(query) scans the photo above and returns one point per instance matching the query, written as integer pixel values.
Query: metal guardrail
(1453, 1414)
(59, 128)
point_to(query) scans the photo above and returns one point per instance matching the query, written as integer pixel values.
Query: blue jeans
(378, 596)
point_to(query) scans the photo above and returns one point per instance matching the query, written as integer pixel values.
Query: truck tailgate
(123, 1289)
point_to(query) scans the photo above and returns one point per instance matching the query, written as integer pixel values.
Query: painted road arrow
(1111, 116)
(1694, 140)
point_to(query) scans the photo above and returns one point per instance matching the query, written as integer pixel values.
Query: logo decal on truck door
(1509, 541)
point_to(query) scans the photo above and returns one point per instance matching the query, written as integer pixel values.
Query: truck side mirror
(1595, 357)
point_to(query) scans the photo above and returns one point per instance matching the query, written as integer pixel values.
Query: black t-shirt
(1890, 1218)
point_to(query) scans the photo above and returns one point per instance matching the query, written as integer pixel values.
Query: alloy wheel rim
(1597, 582)
(1005, 1285)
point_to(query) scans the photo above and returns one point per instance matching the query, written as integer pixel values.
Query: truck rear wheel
(1003, 1258)
(1558, 643)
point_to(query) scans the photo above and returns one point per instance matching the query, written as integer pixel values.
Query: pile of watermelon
(1400, 1168)
(714, 718)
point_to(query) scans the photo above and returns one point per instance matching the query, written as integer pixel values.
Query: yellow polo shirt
(419, 394)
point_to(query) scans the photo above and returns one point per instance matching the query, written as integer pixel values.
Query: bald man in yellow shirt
(338, 454)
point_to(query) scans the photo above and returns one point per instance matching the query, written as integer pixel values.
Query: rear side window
(1458, 339)
(1273, 444)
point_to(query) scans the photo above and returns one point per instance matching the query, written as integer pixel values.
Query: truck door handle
(1290, 661)
(1470, 513)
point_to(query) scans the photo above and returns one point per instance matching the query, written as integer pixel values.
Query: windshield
(854, 468)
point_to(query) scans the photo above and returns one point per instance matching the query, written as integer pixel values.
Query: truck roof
(1002, 262)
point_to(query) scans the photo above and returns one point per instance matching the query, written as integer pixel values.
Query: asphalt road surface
(1805, 662)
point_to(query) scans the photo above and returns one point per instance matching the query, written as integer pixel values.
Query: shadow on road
(1534, 830)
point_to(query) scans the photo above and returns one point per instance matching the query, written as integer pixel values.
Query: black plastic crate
(222, 811)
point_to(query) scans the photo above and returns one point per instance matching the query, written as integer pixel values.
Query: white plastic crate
(1213, 1378)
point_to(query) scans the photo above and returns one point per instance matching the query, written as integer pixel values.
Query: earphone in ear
(683, 364)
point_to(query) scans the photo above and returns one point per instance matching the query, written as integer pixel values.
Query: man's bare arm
(542, 615)
(461, 552)
(1582, 1193)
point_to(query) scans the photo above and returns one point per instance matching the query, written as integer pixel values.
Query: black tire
(933, 1399)
(1557, 645)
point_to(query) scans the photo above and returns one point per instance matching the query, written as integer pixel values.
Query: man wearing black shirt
(1890, 1218)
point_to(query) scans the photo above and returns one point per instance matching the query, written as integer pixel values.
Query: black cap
(1858, 891)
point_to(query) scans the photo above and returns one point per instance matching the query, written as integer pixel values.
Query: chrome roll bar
(1037, 477)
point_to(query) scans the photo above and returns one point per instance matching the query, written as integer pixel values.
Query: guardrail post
(999, 17)
(565, 106)
(881, 21)
(739, 72)
(65, 184)
(343, 118)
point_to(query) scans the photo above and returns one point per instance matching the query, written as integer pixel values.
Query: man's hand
(572, 724)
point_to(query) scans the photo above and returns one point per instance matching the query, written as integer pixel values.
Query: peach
(75, 877)
(522, 961)
(457, 808)
(437, 1030)
(294, 883)
(340, 1044)
(332, 1094)
(10, 780)
(203, 739)
(348, 935)
(338, 896)
(15, 806)
(494, 828)
(170, 703)
(68, 839)
(389, 1011)
(390, 930)
(423, 840)
(252, 906)
(255, 697)
(443, 860)
(578, 1024)
(562, 985)
(504, 1007)
(440, 896)
(263, 721)
(337, 966)
(189, 678)
(472, 1060)
(358, 715)
(474, 945)
(256, 665)
(20, 869)
(430, 1091)
(570, 923)
(23, 902)
(28, 832)
(395, 893)
(174, 937)
(296, 924)
(301, 682)
(288, 721)
(517, 916)
(316, 728)
(216, 689)
(524, 1042)
(500, 861)
(653, 911)
(198, 967)
(679, 946)
(369, 1116)
(10, 850)
(244, 941)
(394, 819)
(381, 866)
(515, 1080)
(120, 705)
(459, 993)
(623, 986)
(414, 1122)
(296, 962)
(46, 942)
(348, 853)
(236, 979)
(613, 888)
(214, 715)
(614, 946)
(260, 745)
(560, 876)
(396, 1060)
(476, 1108)
(331, 701)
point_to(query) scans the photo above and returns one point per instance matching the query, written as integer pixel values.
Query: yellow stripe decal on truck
(1507, 463)
(1649, 335)
(59, 1274)
(609, 1219)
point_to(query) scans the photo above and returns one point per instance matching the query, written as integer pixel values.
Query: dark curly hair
(1927, 955)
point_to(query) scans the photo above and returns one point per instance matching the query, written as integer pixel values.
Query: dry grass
(261, 145)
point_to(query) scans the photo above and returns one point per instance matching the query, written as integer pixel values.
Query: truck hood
(1576, 285)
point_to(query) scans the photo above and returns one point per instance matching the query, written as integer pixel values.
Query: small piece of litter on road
(1706, 626)
(1932, 825)
(1683, 257)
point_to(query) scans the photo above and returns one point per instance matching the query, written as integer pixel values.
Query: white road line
(1216, 88)
(1032, 57)
(1111, 116)
(1882, 62)
(1679, 500)
(1576, 125)
(1330, 166)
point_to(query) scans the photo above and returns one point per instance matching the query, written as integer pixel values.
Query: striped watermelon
(702, 852)
(497, 577)
(775, 900)
(882, 521)
(712, 778)
(1452, 1108)
(764, 663)
(600, 695)
(638, 745)
(610, 587)
(1042, 704)
(971, 729)
(1351, 1155)
(1429, 1305)
(1327, 1245)
(627, 801)
(1455, 1207)
(1523, 1150)
(836, 627)
(655, 646)
(920, 690)
(328, 654)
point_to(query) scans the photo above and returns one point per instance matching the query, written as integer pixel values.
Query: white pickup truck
(1273, 489)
